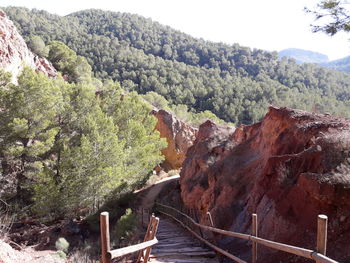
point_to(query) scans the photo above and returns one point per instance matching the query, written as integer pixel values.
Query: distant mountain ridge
(308, 56)
(342, 64)
(303, 56)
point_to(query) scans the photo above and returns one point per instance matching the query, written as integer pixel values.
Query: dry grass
(81, 256)
(162, 175)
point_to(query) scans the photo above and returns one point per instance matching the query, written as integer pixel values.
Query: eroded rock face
(179, 136)
(14, 53)
(287, 169)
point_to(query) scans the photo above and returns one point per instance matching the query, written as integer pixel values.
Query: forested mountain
(342, 64)
(303, 56)
(234, 82)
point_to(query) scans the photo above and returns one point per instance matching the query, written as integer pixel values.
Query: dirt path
(152, 192)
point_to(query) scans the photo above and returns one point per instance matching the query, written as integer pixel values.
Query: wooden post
(105, 241)
(210, 219)
(146, 238)
(254, 233)
(153, 233)
(322, 234)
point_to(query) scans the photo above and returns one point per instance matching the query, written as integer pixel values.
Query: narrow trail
(177, 246)
(149, 198)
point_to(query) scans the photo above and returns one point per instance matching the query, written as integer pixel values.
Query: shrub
(125, 225)
(61, 254)
(62, 245)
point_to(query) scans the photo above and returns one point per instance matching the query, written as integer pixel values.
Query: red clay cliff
(288, 168)
(179, 135)
(14, 53)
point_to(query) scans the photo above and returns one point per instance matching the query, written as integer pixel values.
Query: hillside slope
(234, 82)
(303, 56)
(307, 56)
(342, 64)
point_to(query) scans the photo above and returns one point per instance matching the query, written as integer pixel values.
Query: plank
(177, 245)
(130, 249)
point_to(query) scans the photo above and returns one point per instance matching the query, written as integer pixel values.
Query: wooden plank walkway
(177, 246)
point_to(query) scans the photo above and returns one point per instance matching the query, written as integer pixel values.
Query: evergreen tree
(72, 147)
(333, 16)
(37, 45)
(27, 120)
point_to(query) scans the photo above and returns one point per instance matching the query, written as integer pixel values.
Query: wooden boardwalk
(178, 246)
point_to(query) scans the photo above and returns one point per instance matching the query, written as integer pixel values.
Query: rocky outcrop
(288, 168)
(14, 53)
(179, 136)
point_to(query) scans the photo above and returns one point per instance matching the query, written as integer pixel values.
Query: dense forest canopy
(234, 82)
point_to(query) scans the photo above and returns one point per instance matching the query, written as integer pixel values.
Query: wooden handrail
(131, 249)
(303, 252)
(150, 239)
(221, 251)
(213, 229)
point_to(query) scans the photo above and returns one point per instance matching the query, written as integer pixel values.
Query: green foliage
(29, 111)
(181, 111)
(125, 225)
(195, 119)
(5, 79)
(75, 68)
(62, 244)
(332, 15)
(37, 45)
(61, 254)
(235, 83)
(75, 147)
(201, 117)
(136, 129)
(156, 100)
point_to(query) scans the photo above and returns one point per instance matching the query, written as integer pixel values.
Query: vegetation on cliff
(235, 83)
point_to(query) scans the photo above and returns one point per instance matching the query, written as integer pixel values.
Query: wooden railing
(319, 256)
(144, 248)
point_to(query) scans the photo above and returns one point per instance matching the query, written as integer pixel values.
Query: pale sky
(264, 24)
